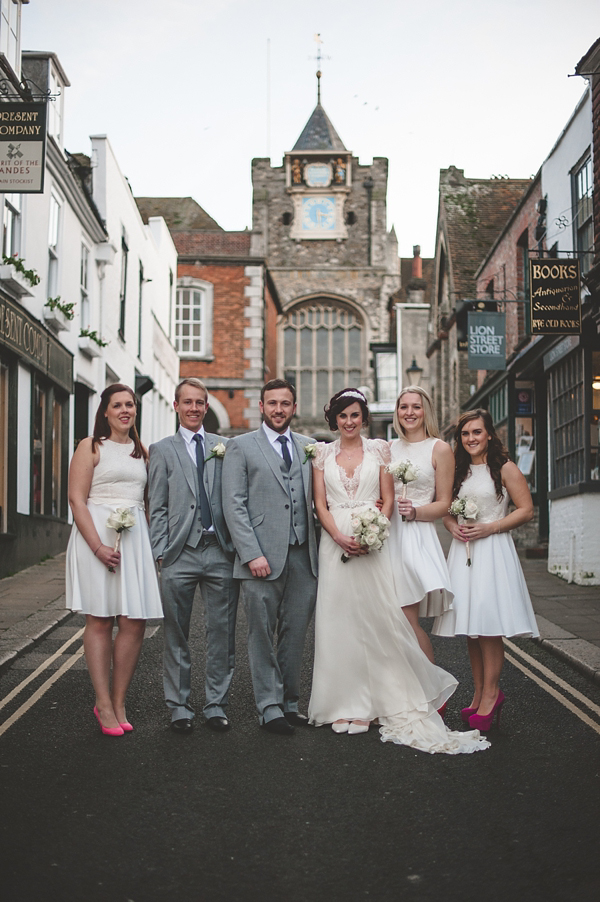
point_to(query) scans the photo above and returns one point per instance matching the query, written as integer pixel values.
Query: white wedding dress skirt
(368, 663)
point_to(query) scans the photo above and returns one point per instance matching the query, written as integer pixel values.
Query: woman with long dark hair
(368, 664)
(491, 599)
(107, 480)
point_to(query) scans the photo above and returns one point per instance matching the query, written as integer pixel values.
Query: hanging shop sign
(22, 147)
(555, 294)
(486, 335)
(26, 337)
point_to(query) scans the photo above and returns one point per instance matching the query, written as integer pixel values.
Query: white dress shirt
(188, 436)
(274, 436)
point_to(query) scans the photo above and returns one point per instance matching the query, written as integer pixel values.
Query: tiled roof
(319, 133)
(178, 212)
(212, 244)
(474, 212)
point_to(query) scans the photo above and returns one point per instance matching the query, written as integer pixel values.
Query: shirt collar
(273, 436)
(188, 436)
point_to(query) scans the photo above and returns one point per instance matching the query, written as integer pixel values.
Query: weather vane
(319, 57)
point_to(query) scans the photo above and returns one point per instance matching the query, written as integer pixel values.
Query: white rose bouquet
(122, 518)
(405, 471)
(464, 509)
(218, 451)
(370, 528)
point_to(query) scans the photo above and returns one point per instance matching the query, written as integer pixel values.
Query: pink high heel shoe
(126, 727)
(485, 721)
(108, 731)
(466, 713)
(442, 710)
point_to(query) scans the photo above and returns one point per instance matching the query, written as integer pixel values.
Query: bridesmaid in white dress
(108, 471)
(491, 599)
(368, 664)
(421, 575)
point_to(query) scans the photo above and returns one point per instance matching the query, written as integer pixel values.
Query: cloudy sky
(181, 88)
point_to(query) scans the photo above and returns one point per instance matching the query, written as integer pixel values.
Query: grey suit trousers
(208, 567)
(285, 605)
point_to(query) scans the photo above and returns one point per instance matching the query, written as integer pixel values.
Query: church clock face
(318, 214)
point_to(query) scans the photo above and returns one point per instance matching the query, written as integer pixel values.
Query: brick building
(226, 307)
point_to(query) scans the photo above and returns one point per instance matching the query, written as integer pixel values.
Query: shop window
(11, 225)
(595, 418)
(39, 448)
(322, 353)
(583, 223)
(499, 405)
(3, 446)
(567, 421)
(193, 319)
(82, 412)
(47, 451)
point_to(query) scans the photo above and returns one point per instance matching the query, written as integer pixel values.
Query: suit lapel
(210, 441)
(271, 456)
(185, 461)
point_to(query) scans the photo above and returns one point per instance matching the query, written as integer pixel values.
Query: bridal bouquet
(404, 470)
(120, 519)
(464, 509)
(370, 528)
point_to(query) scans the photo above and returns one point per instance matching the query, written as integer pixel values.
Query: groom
(268, 509)
(192, 545)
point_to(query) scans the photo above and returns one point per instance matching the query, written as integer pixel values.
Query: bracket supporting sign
(486, 335)
(22, 147)
(555, 289)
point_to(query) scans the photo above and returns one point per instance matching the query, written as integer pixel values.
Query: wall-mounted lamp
(414, 372)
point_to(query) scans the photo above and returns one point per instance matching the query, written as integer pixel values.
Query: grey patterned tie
(283, 440)
(205, 515)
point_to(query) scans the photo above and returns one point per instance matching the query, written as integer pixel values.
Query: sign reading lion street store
(486, 335)
(22, 147)
(555, 297)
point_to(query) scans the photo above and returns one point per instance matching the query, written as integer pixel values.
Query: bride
(368, 664)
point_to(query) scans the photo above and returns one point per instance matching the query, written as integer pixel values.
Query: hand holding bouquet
(464, 509)
(405, 471)
(370, 529)
(122, 518)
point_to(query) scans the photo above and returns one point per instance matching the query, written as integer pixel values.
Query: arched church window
(322, 353)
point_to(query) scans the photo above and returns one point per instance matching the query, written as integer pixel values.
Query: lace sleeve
(381, 450)
(322, 451)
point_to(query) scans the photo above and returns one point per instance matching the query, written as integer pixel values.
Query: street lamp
(414, 372)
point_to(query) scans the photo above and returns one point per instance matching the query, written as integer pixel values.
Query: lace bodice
(422, 490)
(479, 485)
(360, 489)
(118, 477)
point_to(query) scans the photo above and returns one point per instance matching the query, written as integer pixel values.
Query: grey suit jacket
(172, 496)
(256, 503)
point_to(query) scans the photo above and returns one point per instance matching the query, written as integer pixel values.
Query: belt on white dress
(349, 504)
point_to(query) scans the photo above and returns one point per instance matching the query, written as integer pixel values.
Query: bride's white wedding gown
(368, 663)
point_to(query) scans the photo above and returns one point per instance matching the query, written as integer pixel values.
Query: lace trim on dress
(350, 483)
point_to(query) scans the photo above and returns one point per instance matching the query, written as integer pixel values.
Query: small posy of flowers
(121, 519)
(370, 529)
(405, 471)
(310, 452)
(465, 508)
(218, 451)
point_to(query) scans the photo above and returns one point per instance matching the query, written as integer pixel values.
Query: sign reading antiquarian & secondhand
(22, 147)
(555, 289)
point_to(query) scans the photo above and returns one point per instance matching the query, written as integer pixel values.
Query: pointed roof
(180, 213)
(319, 133)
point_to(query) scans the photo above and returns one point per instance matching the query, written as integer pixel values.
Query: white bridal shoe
(355, 728)
(341, 726)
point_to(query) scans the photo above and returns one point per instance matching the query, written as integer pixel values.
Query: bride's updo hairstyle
(497, 455)
(340, 401)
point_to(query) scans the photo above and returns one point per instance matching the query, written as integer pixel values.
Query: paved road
(250, 816)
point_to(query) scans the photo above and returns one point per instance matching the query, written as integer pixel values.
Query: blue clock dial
(318, 214)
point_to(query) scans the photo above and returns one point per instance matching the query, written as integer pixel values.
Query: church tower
(319, 221)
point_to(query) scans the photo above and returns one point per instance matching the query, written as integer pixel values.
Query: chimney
(417, 264)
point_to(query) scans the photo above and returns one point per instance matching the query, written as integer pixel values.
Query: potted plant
(16, 278)
(90, 343)
(58, 315)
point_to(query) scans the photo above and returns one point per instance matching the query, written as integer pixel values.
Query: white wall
(574, 539)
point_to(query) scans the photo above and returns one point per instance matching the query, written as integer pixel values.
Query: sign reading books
(486, 336)
(555, 289)
(22, 147)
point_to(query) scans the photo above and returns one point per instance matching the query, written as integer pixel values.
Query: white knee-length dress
(132, 590)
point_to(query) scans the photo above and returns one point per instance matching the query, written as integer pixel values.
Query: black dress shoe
(296, 719)
(218, 724)
(185, 725)
(278, 725)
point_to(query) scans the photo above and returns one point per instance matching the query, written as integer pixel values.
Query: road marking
(40, 669)
(555, 679)
(41, 691)
(555, 694)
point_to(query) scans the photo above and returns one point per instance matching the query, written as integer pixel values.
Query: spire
(319, 133)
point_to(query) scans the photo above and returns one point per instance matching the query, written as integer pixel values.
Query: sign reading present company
(23, 335)
(555, 288)
(486, 336)
(22, 147)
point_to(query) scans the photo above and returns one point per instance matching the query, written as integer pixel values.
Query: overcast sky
(180, 87)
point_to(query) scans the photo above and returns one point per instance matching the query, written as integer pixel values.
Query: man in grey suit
(268, 509)
(192, 546)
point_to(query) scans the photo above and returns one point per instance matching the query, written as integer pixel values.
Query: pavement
(32, 604)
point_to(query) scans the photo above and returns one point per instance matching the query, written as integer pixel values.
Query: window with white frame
(583, 222)
(322, 353)
(11, 225)
(53, 246)
(567, 422)
(123, 285)
(84, 293)
(55, 108)
(10, 38)
(193, 319)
